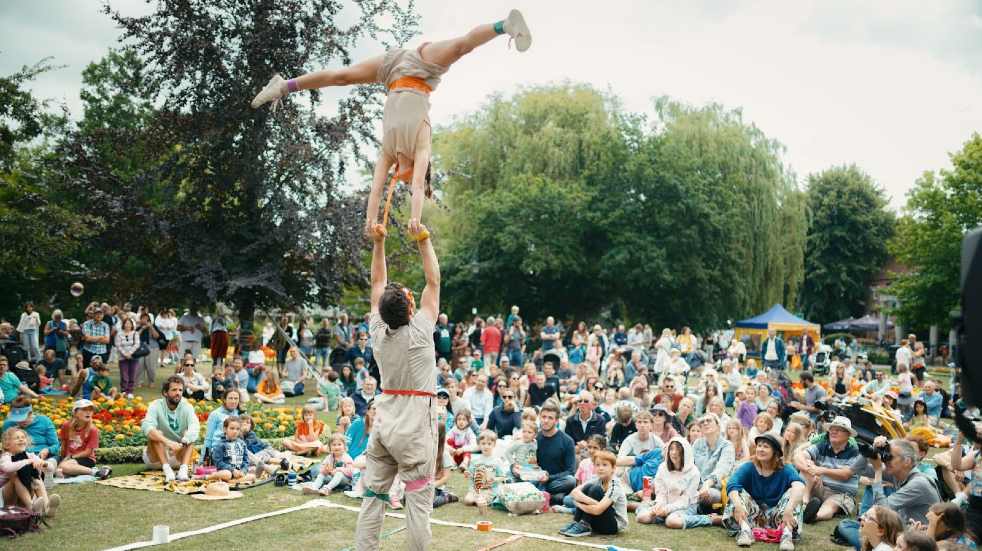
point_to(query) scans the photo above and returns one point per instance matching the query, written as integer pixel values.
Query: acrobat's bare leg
(447, 52)
(420, 166)
(363, 72)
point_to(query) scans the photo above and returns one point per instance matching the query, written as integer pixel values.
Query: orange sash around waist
(412, 83)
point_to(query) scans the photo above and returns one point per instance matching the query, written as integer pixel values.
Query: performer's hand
(414, 226)
(379, 233)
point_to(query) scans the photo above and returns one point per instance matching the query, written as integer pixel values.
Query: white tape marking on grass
(331, 505)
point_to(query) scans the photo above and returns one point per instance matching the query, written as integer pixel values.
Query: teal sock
(499, 27)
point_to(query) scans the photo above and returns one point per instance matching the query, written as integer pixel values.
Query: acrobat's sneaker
(518, 30)
(273, 91)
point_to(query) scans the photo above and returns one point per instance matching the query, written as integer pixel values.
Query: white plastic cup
(161, 533)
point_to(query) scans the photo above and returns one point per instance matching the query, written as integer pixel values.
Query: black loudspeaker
(970, 341)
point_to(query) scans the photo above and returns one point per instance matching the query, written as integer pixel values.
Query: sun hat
(217, 491)
(662, 408)
(843, 423)
(17, 415)
(774, 442)
(82, 404)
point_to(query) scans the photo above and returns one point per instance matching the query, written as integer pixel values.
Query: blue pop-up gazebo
(779, 319)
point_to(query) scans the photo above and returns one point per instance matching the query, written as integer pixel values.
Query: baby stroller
(823, 360)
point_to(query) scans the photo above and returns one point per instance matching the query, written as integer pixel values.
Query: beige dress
(406, 110)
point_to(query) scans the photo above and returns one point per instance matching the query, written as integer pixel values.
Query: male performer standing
(404, 437)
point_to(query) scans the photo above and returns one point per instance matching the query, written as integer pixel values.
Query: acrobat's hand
(379, 233)
(422, 234)
(414, 226)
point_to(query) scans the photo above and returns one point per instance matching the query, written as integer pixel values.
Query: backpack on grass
(15, 521)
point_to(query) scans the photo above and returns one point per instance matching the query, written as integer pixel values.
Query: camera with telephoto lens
(870, 451)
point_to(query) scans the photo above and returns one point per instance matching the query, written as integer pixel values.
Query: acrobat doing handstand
(410, 76)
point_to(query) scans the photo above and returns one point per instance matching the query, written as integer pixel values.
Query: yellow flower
(120, 437)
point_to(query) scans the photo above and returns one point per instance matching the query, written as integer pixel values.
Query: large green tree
(40, 235)
(849, 226)
(227, 203)
(940, 209)
(561, 202)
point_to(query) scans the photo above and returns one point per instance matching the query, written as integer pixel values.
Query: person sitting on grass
(230, 455)
(346, 415)
(171, 428)
(831, 466)
(79, 440)
(444, 464)
(195, 384)
(307, 440)
(336, 471)
(714, 456)
(40, 430)
(521, 453)
(20, 474)
(601, 504)
(461, 440)
(94, 383)
(269, 391)
(879, 528)
(555, 454)
(262, 456)
(765, 492)
(485, 473)
(328, 389)
(222, 380)
(662, 423)
(642, 441)
(946, 524)
(676, 488)
(359, 431)
(737, 436)
(913, 540)
(240, 379)
(585, 472)
(216, 419)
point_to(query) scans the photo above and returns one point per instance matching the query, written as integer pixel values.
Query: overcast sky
(891, 86)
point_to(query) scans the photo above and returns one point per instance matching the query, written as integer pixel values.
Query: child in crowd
(601, 504)
(734, 380)
(676, 487)
(255, 367)
(522, 452)
(221, 381)
(744, 408)
(624, 425)
(716, 407)
(693, 432)
(307, 440)
(262, 456)
(662, 423)
(269, 390)
(20, 475)
(347, 414)
(585, 472)
(336, 470)
(737, 436)
(240, 379)
(762, 424)
(643, 440)
(95, 383)
(461, 439)
(441, 475)
(751, 369)
(230, 455)
(485, 473)
(328, 389)
(79, 440)
(920, 418)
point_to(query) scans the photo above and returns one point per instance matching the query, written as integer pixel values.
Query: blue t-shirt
(52, 338)
(10, 387)
(765, 490)
(556, 454)
(549, 345)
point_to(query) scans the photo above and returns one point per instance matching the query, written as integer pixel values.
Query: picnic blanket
(153, 481)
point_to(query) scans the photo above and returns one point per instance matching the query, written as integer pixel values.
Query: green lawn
(97, 517)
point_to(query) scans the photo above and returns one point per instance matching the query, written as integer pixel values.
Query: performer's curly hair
(394, 306)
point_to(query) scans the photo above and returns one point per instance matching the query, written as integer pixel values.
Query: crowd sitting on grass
(606, 424)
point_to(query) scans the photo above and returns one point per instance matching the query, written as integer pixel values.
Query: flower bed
(119, 420)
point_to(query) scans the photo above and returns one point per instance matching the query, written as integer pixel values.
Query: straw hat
(216, 491)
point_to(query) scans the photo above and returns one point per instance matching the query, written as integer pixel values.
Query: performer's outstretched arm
(430, 301)
(380, 276)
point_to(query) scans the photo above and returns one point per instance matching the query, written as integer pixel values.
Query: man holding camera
(914, 494)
